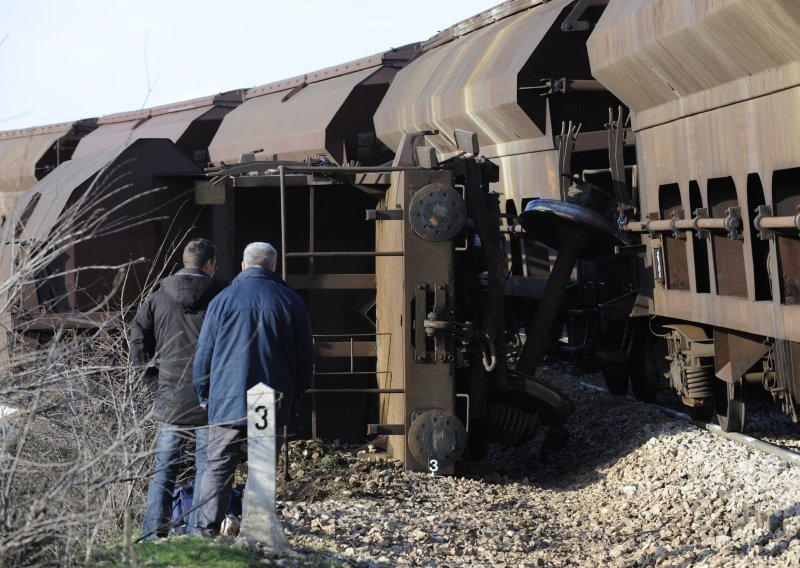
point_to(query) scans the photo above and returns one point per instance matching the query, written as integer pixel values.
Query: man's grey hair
(260, 255)
(198, 252)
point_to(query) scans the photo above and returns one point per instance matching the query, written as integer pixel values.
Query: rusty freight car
(94, 226)
(27, 155)
(417, 272)
(447, 208)
(394, 187)
(714, 92)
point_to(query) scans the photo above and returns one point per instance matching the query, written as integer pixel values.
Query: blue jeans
(173, 452)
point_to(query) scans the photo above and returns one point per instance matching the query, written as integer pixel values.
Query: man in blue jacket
(256, 330)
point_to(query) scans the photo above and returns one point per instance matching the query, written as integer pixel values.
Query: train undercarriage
(408, 297)
(712, 371)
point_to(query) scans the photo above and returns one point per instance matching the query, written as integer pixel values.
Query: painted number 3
(262, 414)
(433, 466)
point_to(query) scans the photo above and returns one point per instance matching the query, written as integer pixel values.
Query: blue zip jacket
(256, 330)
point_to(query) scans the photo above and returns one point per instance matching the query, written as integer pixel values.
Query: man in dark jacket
(257, 330)
(163, 340)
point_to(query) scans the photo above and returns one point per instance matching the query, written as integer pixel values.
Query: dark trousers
(225, 450)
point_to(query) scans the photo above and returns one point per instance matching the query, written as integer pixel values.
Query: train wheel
(616, 383)
(648, 366)
(730, 405)
(703, 413)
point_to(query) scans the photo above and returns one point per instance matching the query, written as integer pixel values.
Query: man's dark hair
(198, 252)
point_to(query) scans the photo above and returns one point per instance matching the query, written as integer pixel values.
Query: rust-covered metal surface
(471, 83)
(36, 213)
(106, 194)
(20, 152)
(754, 139)
(716, 91)
(670, 59)
(113, 130)
(169, 125)
(116, 166)
(477, 76)
(173, 121)
(55, 190)
(319, 113)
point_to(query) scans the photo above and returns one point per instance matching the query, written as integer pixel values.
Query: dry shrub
(76, 452)
(79, 451)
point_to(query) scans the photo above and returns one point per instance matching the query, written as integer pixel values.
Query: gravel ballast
(634, 486)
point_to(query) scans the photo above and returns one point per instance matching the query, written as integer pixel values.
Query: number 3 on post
(262, 411)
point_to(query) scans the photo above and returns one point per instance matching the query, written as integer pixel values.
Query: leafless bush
(76, 450)
(80, 449)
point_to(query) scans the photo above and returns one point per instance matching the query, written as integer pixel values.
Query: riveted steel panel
(472, 83)
(671, 59)
(20, 151)
(292, 123)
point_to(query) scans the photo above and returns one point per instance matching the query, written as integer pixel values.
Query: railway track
(782, 448)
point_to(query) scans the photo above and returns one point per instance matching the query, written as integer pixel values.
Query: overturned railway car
(94, 228)
(416, 271)
(27, 155)
(449, 209)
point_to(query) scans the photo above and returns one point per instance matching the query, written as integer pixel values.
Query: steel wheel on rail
(616, 383)
(730, 406)
(702, 413)
(648, 366)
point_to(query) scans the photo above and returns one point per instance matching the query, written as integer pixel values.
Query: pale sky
(63, 60)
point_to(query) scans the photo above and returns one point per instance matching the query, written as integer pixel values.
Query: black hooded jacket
(163, 340)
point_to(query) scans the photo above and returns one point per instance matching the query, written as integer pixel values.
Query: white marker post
(261, 523)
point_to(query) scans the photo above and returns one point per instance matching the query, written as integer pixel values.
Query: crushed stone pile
(633, 486)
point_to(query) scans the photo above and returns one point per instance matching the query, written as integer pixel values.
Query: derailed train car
(27, 155)
(92, 230)
(392, 187)
(447, 208)
(416, 272)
